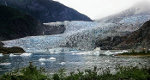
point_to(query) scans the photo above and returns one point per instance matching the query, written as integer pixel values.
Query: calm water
(53, 62)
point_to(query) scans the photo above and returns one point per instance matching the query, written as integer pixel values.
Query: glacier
(79, 35)
(82, 35)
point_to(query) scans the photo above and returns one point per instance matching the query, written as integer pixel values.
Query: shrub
(29, 73)
(123, 73)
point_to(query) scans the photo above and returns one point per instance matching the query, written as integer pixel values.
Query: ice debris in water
(95, 52)
(26, 54)
(42, 59)
(5, 64)
(119, 52)
(62, 63)
(52, 59)
(1, 55)
(108, 53)
(42, 63)
(90, 53)
(12, 55)
(61, 50)
(49, 59)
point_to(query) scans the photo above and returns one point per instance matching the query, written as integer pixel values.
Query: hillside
(46, 10)
(135, 40)
(129, 20)
(15, 24)
(138, 39)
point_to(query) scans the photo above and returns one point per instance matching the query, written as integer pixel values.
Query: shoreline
(132, 55)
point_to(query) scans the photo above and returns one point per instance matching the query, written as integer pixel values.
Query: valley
(51, 35)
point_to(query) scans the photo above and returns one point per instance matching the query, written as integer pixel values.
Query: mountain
(131, 19)
(138, 39)
(46, 10)
(139, 9)
(16, 24)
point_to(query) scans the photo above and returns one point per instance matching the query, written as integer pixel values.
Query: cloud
(97, 9)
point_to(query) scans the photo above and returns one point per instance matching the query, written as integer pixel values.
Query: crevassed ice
(82, 39)
(80, 35)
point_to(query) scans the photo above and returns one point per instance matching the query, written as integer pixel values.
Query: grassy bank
(123, 73)
(136, 53)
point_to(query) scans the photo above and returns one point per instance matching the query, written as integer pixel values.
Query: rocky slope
(46, 10)
(138, 39)
(109, 43)
(51, 28)
(8, 50)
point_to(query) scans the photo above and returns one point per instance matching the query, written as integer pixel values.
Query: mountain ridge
(46, 10)
(16, 24)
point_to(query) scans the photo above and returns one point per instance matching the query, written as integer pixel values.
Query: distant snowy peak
(140, 9)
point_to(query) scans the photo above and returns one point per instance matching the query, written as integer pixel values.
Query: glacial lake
(68, 61)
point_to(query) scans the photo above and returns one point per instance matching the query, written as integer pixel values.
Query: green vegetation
(144, 52)
(27, 73)
(123, 73)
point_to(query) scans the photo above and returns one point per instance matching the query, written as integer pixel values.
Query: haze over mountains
(132, 18)
(141, 8)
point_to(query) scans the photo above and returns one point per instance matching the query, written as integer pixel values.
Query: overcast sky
(97, 9)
